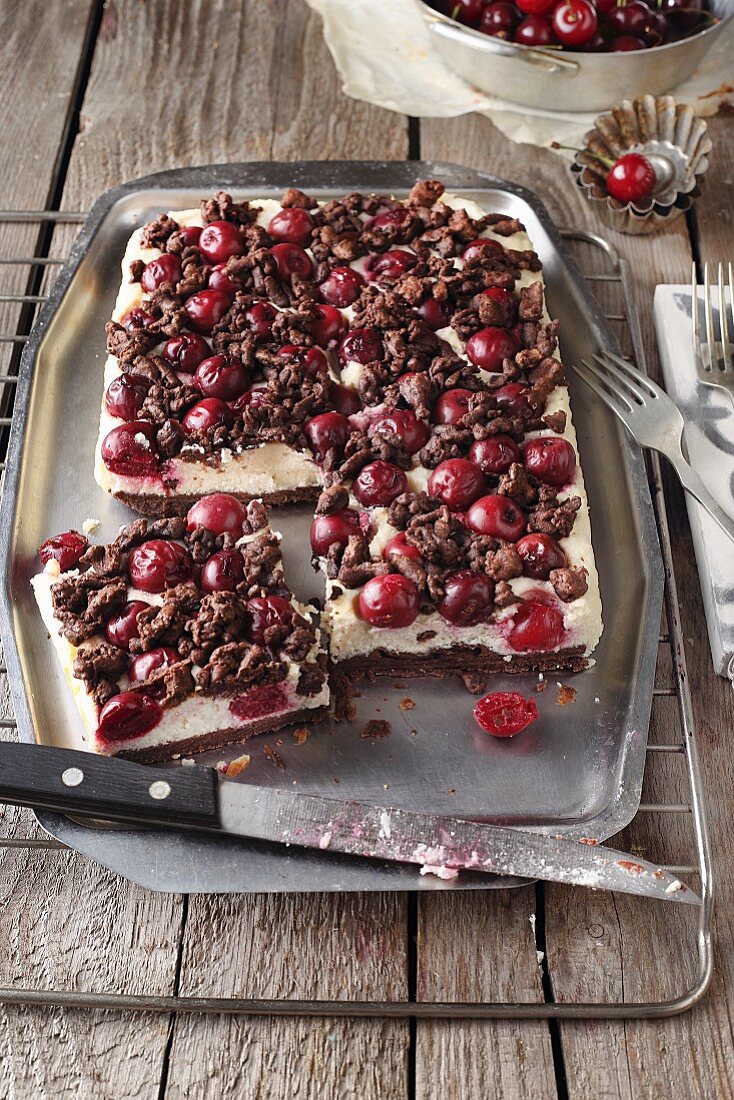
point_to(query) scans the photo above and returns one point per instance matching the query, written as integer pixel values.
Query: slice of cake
(181, 635)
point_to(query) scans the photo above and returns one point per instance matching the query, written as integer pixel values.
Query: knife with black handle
(81, 783)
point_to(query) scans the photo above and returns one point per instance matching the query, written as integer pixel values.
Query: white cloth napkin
(383, 54)
(709, 438)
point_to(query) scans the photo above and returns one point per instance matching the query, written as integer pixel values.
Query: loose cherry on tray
(505, 713)
(260, 317)
(222, 377)
(451, 406)
(292, 226)
(536, 628)
(550, 459)
(159, 564)
(489, 347)
(391, 264)
(329, 326)
(220, 240)
(362, 345)
(341, 287)
(379, 483)
(129, 714)
(209, 413)
(66, 549)
(497, 516)
(389, 602)
(435, 314)
(164, 269)
(468, 598)
(327, 431)
(122, 627)
(334, 529)
(145, 664)
(223, 571)
(344, 399)
(456, 483)
(495, 454)
(291, 260)
(267, 618)
(125, 396)
(206, 309)
(399, 547)
(539, 554)
(130, 449)
(403, 423)
(574, 22)
(220, 513)
(185, 351)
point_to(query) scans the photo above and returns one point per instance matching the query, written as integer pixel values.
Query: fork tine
(694, 308)
(608, 364)
(708, 319)
(642, 380)
(723, 322)
(602, 385)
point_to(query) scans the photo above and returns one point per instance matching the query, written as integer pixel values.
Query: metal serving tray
(577, 771)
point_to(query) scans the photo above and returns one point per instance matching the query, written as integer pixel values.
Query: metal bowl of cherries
(574, 55)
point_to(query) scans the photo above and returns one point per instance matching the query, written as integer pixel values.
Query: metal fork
(652, 418)
(714, 355)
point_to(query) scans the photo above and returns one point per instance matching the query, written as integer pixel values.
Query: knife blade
(196, 798)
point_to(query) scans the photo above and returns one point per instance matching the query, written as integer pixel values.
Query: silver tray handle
(549, 61)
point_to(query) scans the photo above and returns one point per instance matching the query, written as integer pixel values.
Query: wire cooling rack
(610, 282)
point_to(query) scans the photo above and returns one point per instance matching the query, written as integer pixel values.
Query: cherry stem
(573, 149)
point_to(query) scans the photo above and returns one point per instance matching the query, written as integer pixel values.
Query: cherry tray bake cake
(181, 635)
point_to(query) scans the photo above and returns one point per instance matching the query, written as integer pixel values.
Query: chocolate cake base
(459, 661)
(219, 738)
(153, 504)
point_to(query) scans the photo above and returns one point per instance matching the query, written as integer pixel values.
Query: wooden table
(96, 95)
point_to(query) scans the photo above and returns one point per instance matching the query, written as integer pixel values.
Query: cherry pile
(591, 26)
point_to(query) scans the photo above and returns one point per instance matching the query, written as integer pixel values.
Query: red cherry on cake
(291, 260)
(514, 399)
(327, 431)
(159, 564)
(389, 602)
(218, 512)
(345, 400)
(260, 317)
(480, 248)
(451, 406)
(145, 664)
(335, 528)
(539, 554)
(341, 287)
(505, 299)
(468, 598)
(189, 234)
(125, 396)
(185, 351)
(379, 483)
(292, 225)
(123, 627)
(574, 22)
(206, 309)
(137, 318)
(412, 432)
(267, 619)
(495, 454)
(631, 178)
(456, 483)
(550, 459)
(391, 264)
(130, 449)
(220, 376)
(129, 714)
(220, 280)
(497, 516)
(390, 219)
(362, 345)
(164, 269)
(253, 397)
(223, 571)
(220, 240)
(212, 412)
(435, 314)
(536, 628)
(66, 549)
(489, 347)
(535, 30)
(311, 359)
(328, 326)
(399, 547)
